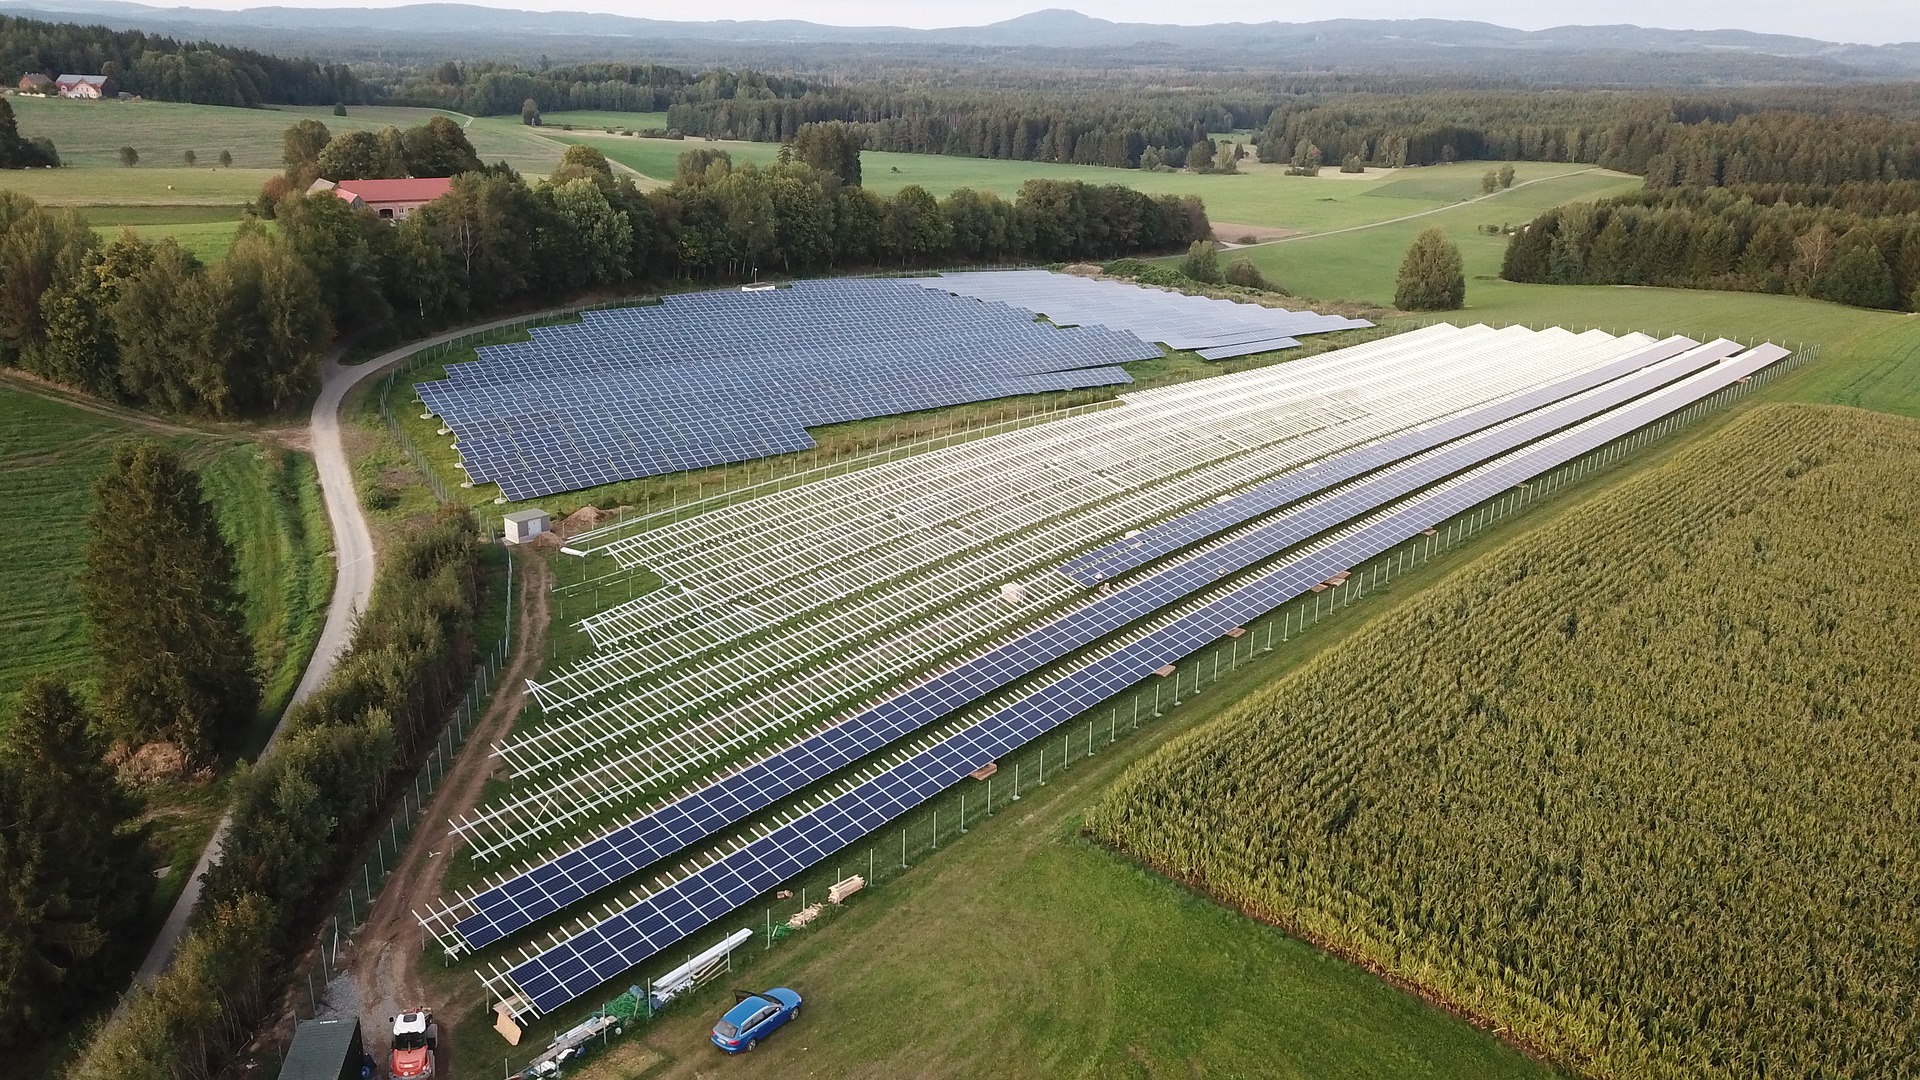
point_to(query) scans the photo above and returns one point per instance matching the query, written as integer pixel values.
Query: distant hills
(1335, 43)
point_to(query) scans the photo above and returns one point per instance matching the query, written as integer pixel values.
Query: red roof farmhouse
(35, 83)
(391, 199)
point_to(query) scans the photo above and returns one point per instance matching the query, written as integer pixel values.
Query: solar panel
(719, 377)
(520, 901)
(1216, 329)
(1157, 541)
(585, 960)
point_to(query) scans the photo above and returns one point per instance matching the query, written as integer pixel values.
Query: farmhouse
(84, 86)
(35, 83)
(390, 199)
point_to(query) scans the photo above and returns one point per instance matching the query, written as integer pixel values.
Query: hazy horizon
(1870, 22)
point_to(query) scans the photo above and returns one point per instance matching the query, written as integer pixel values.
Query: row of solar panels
(723, 377)
(519, 901)
(1217, 329)
(1146, 545)
(585, 960)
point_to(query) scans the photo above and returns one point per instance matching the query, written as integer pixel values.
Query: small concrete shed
(324, 1050)
(525, 525)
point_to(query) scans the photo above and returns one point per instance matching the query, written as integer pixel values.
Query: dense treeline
(176, 663)
(1076, 129)
(300, 812)
(1856, 243)
(149, 325)
(167, 70)
(1638, 789)
(72, 883)
(1670, 141)
(501, 89)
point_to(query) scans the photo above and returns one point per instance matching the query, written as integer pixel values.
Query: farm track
(387, 950)
(1423, 213)
(353, 583)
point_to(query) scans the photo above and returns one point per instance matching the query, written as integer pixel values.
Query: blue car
(754, 1018)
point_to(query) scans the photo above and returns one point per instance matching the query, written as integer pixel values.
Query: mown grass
(1261, 195)
(599, 118)
(90, 134)
(143, 185)
(209, 241)
(269, 507)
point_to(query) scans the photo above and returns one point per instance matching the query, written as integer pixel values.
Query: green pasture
(1869, 358)
(138, 186)
(602, 119)
(1260, 195)
(51, 450)
(207, 240)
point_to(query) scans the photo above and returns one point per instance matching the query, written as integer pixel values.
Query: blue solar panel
(718, 377)
(522, 900)
(584, 961)
(1167, 537)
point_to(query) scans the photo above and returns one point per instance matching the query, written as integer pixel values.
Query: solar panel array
(784, 610)
(1495, 461)
(735, 570)
(1216, 329)
(725, 376)
(622, 851)
(1164, 538)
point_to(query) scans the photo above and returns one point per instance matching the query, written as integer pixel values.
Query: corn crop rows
(1642, 788)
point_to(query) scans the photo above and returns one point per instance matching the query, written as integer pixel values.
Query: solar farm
(732, 375)
(819, 661)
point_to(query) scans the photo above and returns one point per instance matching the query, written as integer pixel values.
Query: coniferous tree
(167, 620)
(1858, 275)
(71, 878)
(1432, 278)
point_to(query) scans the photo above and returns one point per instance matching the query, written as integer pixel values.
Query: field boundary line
(1426, 213)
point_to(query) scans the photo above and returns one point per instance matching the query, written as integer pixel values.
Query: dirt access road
(387, 950)
(352, 584)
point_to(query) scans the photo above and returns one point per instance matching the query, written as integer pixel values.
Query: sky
(1873, 22)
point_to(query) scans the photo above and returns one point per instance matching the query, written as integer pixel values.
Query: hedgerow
(1642, 789)
(298, 813)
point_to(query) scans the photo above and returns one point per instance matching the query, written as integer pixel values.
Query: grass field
(269, 505)
(200, 206)
(1636, 786)
(589, 118)
(1260, 196)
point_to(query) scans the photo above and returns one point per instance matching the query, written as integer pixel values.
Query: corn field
(1640, 790)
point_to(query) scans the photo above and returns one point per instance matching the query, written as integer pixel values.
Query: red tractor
(416, 1038)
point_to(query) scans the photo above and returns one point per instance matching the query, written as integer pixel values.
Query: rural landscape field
(569, 545)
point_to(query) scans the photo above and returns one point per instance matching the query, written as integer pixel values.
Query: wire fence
(894, 850)
(383, 851)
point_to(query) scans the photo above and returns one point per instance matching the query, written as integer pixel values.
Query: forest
(1854, 243)
(1635, 790)
(148, 324)
(152, 66)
